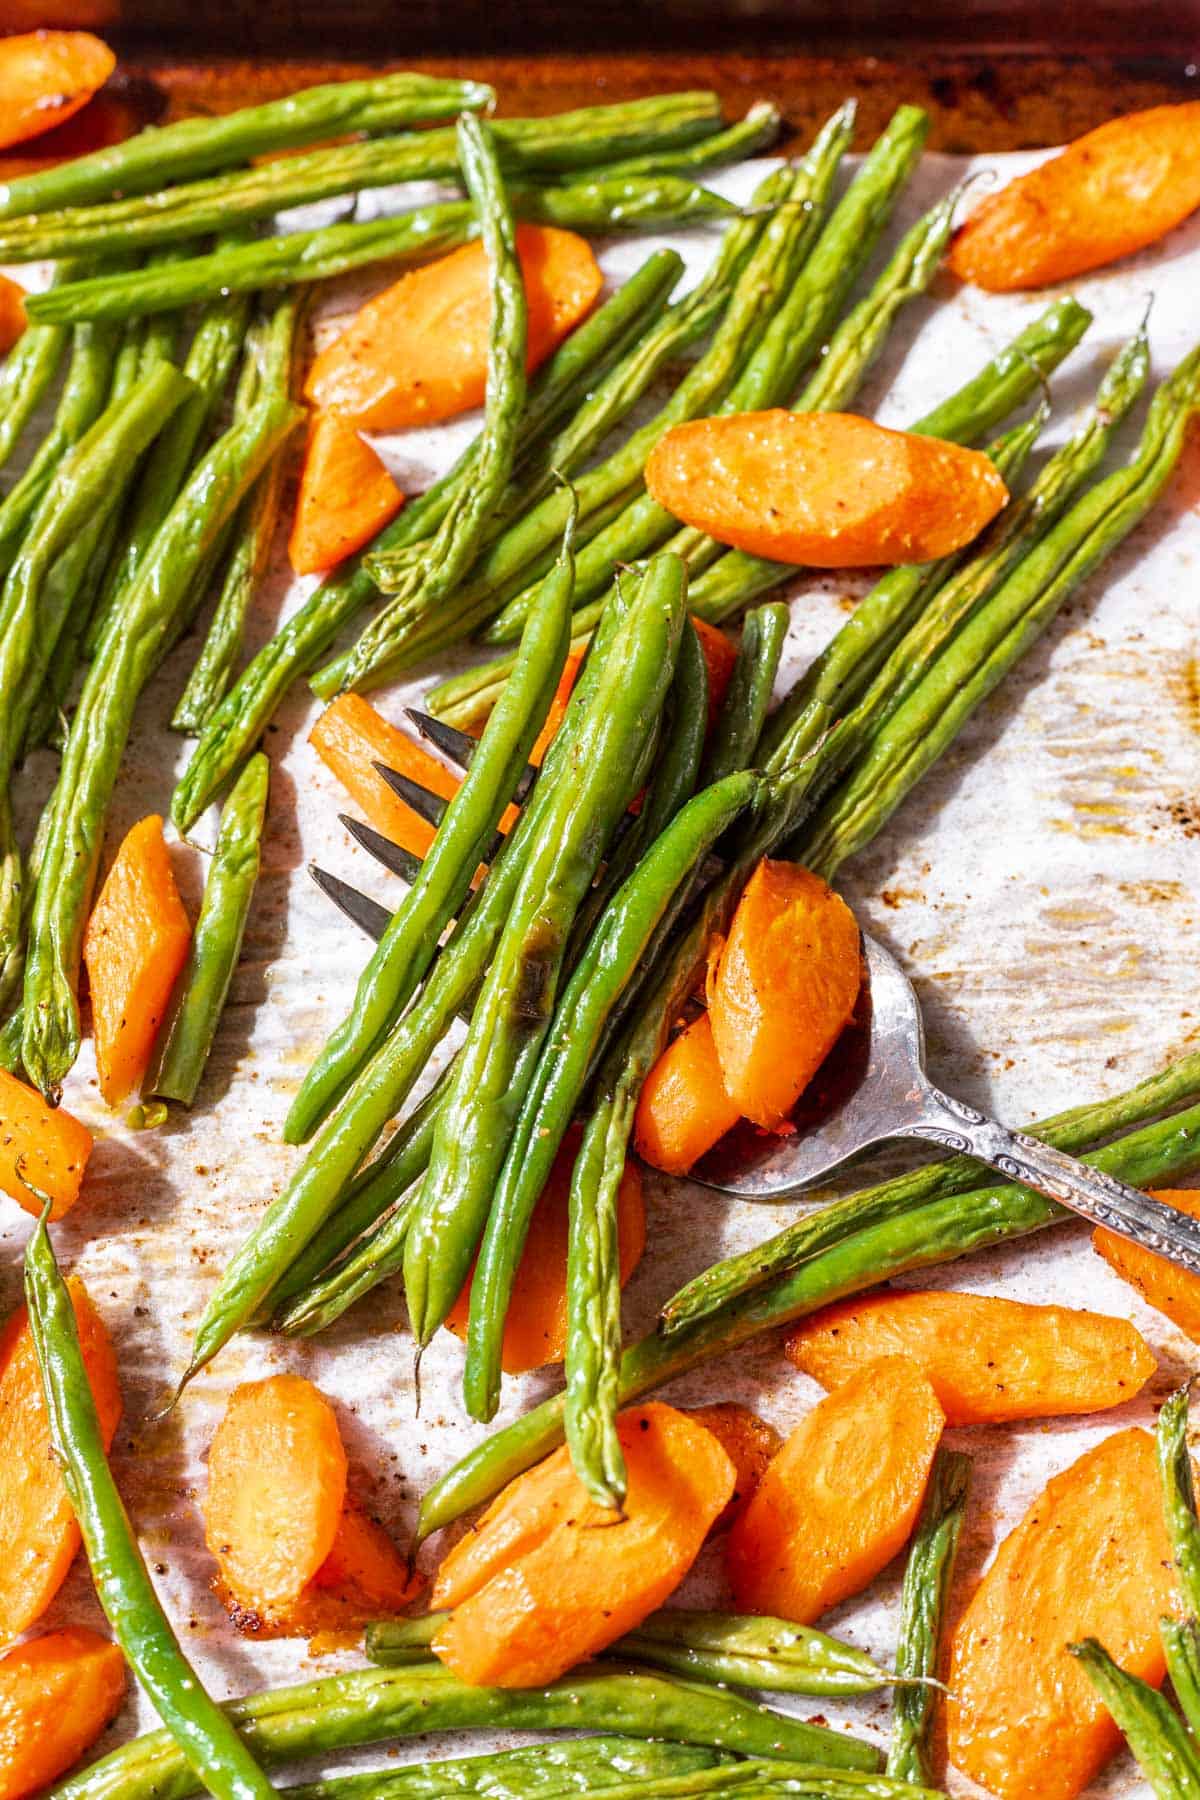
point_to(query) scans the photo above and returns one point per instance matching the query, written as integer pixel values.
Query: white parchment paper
(1040, 887)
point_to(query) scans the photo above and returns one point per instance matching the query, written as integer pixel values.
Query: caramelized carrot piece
(364, 1577)
(45, 76)
(988, 1359)
(1089, 1559)
(417, 353)
(12, 313)
(541, 1595)
(841, 1497)
(136, 943)
(108, 118)
(1163, 1284)
(57, 1693)
(749, 1443)
(684, 1106)
(276, 1488)
(720, 654)
(350, 737)
(51, 1147)
(535, 1331)
(1111, 192)
(828, 489)
(37, 1521)
(346, 496)
(558, 707)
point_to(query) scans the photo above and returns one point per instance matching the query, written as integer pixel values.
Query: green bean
(775, 1781)
(1181, 1639)
(374, 1705)
(741, 718)
(28, 371)
(544, 1771)
(923, 1602)
(1163, 1747)
(10, 1044)
(1181, 1647)
(200, 1730)
(759, 128)
(844, 1248)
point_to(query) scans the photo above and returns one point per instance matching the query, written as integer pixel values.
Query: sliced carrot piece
(350, 737)
(1162, 1283)
(828, 489)
(37, 1521)
(346, 496)
(749, 1443)
(1111, 192)
(841, 1497)
(988, 1359)
(12, 313)
(45, 76)
(418, 352)
(535, 1331)
(684, 1105)
(364, 1577)
(57, 1693)
(720, 654)
(276, 1488)
(526, 1612)
(1089, 1559)
(136, 943)
(783, 989)
(50, 1146)
(558, 706)
(108, 118)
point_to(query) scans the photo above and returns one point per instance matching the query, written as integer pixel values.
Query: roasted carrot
(546, 1579)
(12, 313)
(558, 706)
(276, 1488)
(57, 1693)
(45, 76)
(782, 989)
(50, 1147)
(1089, 1559)
(136, 943)
(37, 1521)
(684, 1106)
(108, 118)
(1111, 192)
(841, 1497)
(986, 1358)
(720, 654)
(749, 1443)
(828, 489)
(535, 1331)
(350, 737)
(364, 1577)
(1163, 1284)
(417, 352)
(346, 496)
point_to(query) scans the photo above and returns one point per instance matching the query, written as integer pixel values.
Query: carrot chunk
(364, 1577)
(720, 655)
(1162, 1283)
(346, 496)
(1089, 1559)
(45, 76)
(51, 1147)
(988, 1359)
(535, 1331)
(350, 737)
(276, 1488)
(12, 313)
(841, 1497)
(749, 1443)
(684, 1105)
(37, 1522)
(1111, 192)
(417, 352)
(829, 489)
(783, 988)
(57, 1693)
(558, 706)
(559, 1580)
(136, 943)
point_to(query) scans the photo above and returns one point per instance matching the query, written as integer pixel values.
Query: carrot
(417, 352)
(986, 1358)
(350, 737)
(828, 489)
(346, 496)
(535, 1331)
(364, 1577)
(57, 1693)
(1111, 192)
(1163, 1284)
(50, 1147)
(841, 1497)
(276, 1488)
(1089, 1559)
(108, 118)
(45, 76)
(749, 1443)
(136, 943)
(12, 313)
(684, 1105)
(37, 1522)
(783, 988)
(547, 1579)
(558, 706)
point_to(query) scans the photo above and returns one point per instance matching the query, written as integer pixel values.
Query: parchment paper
(1040, 887)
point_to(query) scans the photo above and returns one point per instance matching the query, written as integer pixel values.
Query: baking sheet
(1039, 886)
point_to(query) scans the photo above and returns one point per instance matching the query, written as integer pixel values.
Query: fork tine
(460, 747)
(430, 807)
(395, 857)
(366, 913)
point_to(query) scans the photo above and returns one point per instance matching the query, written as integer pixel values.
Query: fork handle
(1088, 1191)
